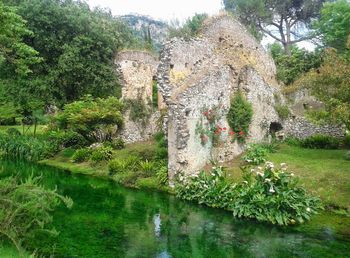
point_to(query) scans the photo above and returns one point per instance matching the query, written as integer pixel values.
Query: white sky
(165, 10)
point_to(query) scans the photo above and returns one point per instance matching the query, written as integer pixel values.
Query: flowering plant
(208, 128)
(267, 194)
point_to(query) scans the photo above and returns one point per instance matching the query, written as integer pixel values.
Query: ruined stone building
(200, 74)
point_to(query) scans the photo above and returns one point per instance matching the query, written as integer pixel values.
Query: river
(108, 220)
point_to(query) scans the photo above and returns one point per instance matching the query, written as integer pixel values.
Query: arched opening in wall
(154, 92)
(275, 127)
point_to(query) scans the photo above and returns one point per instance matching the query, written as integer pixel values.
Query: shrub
(282, 111)
(273, 195)
(255, 154)
(13, 132)
(147, 167)
(101, 154)
(212, 190)
(81, 155)
(117, 166)
(320, 142)
(25, 209)
(239, 117)
(85, 116)
(162, 146)
(293, 141)
(73, 139)
(267, 194)
(346, 140)
(347, 155)
(116, 144)
(162, 175)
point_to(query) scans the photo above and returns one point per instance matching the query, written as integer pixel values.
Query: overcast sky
(165, 10)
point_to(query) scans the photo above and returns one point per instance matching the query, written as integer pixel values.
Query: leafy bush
(266, 194)
(25, 209)
(239, 117)
(256, 153)
(87, 115)
(293, 141)
(212, 190)
(13, 132)
(320, 142)
(346, 140)
(162, 175)
(162, 146)
(147, 167)
(282, 111)
(116, 144)
(273, 195)
(81, 155)
(73, 139)
(347, 155)
(117, 166)
(101, 154)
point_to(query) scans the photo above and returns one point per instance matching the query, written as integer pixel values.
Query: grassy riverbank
(325, 173)
(142, 150)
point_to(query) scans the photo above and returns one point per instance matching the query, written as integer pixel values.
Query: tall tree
(78, 46)
(334, 24)
(285, 21)
(17, 61)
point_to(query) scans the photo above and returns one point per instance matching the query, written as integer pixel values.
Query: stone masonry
(206, 72)
(137, 70)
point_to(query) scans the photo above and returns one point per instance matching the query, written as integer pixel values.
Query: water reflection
(111, 221)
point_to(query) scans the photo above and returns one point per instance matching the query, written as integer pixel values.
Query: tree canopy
(285, 21)
(334, 24)
(77, 46)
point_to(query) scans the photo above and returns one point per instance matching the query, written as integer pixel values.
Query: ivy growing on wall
(140, 111)
(239, 117)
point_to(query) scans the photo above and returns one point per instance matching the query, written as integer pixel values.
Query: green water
(111, 221)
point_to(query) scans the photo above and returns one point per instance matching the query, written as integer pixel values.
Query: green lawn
(323, 172)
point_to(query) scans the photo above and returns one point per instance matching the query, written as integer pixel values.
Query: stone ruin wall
(207, 72)
(137, 70)
(202, 73)
(299, 127)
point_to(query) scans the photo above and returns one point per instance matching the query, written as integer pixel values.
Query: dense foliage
(256, 153)
(284, 21)
(320, 142)
(190, 29)
(76, 45)
(267, 194)
(331, 84)
(300, 61)
(95, 119)
(23, 147)
(240, 116)
(334, 24)
(25, 209)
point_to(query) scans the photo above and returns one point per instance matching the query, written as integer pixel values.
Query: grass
(143, 150)
(323, 172)
(27, 130)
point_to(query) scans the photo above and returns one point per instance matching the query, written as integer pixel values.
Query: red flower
(241, 133)
(224, 128)
(232, 133)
